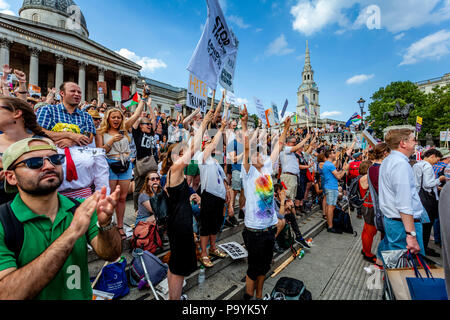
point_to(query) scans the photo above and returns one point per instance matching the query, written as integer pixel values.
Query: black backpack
(354, 196)
(13, 228)
(290, 289)
(341, 220)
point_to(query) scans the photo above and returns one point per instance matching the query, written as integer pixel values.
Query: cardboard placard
(234, 250)
(34, 90)
(197, 94)
(116, 95)
(103, 86)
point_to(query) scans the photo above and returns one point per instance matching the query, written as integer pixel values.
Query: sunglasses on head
(38, 162)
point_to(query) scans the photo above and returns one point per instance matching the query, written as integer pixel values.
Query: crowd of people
(186, 174)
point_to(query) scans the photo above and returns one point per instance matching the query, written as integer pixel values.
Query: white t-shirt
(211, 176)
(259, 194)
(289, 162)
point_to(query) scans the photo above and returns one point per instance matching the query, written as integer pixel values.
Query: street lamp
(361, 103)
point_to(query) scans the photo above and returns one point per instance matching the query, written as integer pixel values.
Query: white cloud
(239, 22)
(434, 46)
(360, 78)
(279, 47)
(399, 36)
(330, 114)
(5, 8)
(242, 101)
(259, 30)
(147, 64)
(311, 16)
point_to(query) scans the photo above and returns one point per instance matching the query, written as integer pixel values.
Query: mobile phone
(121, 132)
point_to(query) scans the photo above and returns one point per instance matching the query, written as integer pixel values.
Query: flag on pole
(284, 108)
(307, 106)
(132, 102)
(354, 118)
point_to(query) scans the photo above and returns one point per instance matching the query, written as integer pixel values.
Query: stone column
(134, 85)
(59, 77)
(118, 81)
(82, 79)
(5, 45)
(101, 78)
(34, 66)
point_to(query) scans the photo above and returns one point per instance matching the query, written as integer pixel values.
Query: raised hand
(106, 206)
(83, 214)
(20, 75)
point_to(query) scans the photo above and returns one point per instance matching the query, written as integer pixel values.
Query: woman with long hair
(17, 122)
(114, 138)
(183, 258)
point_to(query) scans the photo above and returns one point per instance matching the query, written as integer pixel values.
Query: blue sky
(352, 55)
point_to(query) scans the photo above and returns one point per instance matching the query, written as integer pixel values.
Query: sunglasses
(155, 179)
(38, 162)
(145, 124)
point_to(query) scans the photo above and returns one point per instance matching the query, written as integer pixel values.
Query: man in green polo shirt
(52, 264)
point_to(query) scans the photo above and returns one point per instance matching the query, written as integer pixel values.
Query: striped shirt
(51, 115)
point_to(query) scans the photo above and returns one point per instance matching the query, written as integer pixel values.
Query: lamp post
(361, 103)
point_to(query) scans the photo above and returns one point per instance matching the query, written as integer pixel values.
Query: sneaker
(276, 248)
(334, 230)
(184, 297)
(302, 241)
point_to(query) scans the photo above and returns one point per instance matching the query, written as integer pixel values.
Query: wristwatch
(106, 228)
(412, 233)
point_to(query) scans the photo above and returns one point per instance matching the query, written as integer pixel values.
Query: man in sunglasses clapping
(52, 261)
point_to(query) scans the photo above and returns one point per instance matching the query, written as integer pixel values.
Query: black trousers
(293, 222)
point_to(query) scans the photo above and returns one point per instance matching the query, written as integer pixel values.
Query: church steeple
(307, 59)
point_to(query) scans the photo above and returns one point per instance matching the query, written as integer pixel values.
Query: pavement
(332, 269)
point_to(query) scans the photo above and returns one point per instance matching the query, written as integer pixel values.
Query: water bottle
(201, 278)
(301, 254)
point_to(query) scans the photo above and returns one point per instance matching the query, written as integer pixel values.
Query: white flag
(226, 79)
(261, 112)
(214, 47)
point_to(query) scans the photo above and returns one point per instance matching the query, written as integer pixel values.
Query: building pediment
(66, 42)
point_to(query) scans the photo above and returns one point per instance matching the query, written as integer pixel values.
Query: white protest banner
(270, 119)
(197, 94)
(231, 98)
(178, 107)
(116, 95)
(214, 47)
(275, 113)
(445, 136)
(284, 108)
(261, 112)
(372, 141)
(226, 79)
(234, 250)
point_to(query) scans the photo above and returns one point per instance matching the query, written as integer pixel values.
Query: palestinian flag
(134, 101)
(354, 118)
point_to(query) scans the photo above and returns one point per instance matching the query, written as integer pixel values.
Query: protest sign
(214, 47)
(178, 107)
(116, 96)
(445, 135)
(226, 79)
(275, 113)
(197, 94)
(125, 93)
(419, 120)
(261, 112)
(234, 250)
(270, 119)
(102, 85)
(372, 141)
(284, 108)
(34, 90)
(231, 98)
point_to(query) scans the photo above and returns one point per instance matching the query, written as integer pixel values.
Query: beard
(39, 187)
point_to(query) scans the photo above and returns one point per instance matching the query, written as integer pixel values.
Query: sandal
(122, 233)
(217, 253)
(206, 262)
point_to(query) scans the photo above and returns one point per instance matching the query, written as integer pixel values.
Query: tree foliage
(434, 107)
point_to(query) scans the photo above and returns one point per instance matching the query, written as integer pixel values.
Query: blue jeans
(396, 235)
(437, 231)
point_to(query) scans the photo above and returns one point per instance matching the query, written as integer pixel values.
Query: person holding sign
(260, 217)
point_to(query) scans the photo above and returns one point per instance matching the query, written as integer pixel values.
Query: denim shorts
(332, 196)
(122, 176)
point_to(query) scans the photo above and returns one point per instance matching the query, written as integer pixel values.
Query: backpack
(157, 271)
(341, 220)
(13, 228)
(378, 220)
(290, 289)
(353, 171)
(114, 279)
(146, 237)
(285, 239)
(354, 196)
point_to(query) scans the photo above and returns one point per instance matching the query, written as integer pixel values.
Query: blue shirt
(238, 148)
(49, 116)
(331, 182)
